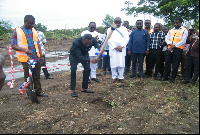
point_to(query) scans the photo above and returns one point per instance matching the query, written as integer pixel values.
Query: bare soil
(138, 106)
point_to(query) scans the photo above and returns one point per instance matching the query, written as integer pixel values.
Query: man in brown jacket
(192, 58)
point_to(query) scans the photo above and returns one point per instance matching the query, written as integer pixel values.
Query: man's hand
(27, 51)
(119, 48)
(94, 60)
(173, 46)
(129, 52)
(147, 52)
(170, 50)
(42, 59)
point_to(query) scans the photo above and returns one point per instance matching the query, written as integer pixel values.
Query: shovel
(30, 92)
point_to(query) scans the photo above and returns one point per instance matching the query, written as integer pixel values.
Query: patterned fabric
(156, 40)
(29, 37)
(42, 40)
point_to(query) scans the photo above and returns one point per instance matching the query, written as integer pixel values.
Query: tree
(5, 28)
(41, 27)
(188, 10)
(108, 18)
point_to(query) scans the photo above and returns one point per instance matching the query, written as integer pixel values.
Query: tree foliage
(109, 19)
(5, 28)
(41, 27)
(188, 10)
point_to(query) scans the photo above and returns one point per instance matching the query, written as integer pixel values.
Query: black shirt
(80, 51)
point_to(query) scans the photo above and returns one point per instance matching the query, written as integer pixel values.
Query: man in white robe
(117, 50)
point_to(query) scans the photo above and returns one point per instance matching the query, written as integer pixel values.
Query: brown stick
(105, 42)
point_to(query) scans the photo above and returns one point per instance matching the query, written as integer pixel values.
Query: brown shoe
(114, 80)
(121, 81)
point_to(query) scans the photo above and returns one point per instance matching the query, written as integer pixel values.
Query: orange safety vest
(149, 31)
(22, 42)
(176, 37)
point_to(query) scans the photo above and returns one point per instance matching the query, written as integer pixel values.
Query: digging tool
(30, 92)
(113, 27)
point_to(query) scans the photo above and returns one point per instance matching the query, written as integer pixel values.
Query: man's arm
(17, 48)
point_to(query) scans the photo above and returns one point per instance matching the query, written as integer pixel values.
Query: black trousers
(147, 61)
(172, 59)
(162, 63)
(155, 58)
(127, 61)
(191, 62)
(45, 71)
(35, 75)
(86, 72)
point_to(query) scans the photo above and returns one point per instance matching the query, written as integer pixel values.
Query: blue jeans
(137, 57)
(106, 62)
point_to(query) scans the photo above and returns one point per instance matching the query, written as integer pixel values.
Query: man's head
(87, 40)
(165, 30)
(118, 21)
(147, 24)
(139, 24)
(29, 21)
(126, 24)
(156, 27)
(178, 23)
(92, 26)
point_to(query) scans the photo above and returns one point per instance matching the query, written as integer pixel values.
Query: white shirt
(94, 34)
(183, 41)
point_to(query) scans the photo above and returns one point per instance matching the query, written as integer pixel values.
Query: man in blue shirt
(138, 45)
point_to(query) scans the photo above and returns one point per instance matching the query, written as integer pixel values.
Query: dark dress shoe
(74, 94)
(132, 76)
(164, 79)
(172, 80)
(109, 72)
(114, 80)
(49, 77)
(41, 94)
(121, 81)
(185, 82)
(104, 72)
(95, 79)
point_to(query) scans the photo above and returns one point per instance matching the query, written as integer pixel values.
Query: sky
(66, 14)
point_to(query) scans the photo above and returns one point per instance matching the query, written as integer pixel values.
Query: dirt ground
(139, 106)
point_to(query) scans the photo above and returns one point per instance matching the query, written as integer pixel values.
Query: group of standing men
(123, 46)
(161, 48)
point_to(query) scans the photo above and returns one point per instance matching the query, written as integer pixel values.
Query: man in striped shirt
(157, 39)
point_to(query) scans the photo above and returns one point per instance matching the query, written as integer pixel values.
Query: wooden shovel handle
(104, 44)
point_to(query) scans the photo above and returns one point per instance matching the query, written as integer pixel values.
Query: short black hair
(158, 24)
(179, 19)
(139, 20)
(28, 17)
(91, 23)
(87, 36)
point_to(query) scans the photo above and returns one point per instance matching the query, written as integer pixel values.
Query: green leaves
(188, 10)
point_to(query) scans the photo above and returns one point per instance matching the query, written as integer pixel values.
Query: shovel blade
(32, 95)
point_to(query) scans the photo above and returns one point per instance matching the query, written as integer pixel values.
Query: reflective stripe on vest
(176, 37)
(22, 42)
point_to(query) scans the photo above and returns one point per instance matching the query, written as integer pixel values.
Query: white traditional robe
(117, 59)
